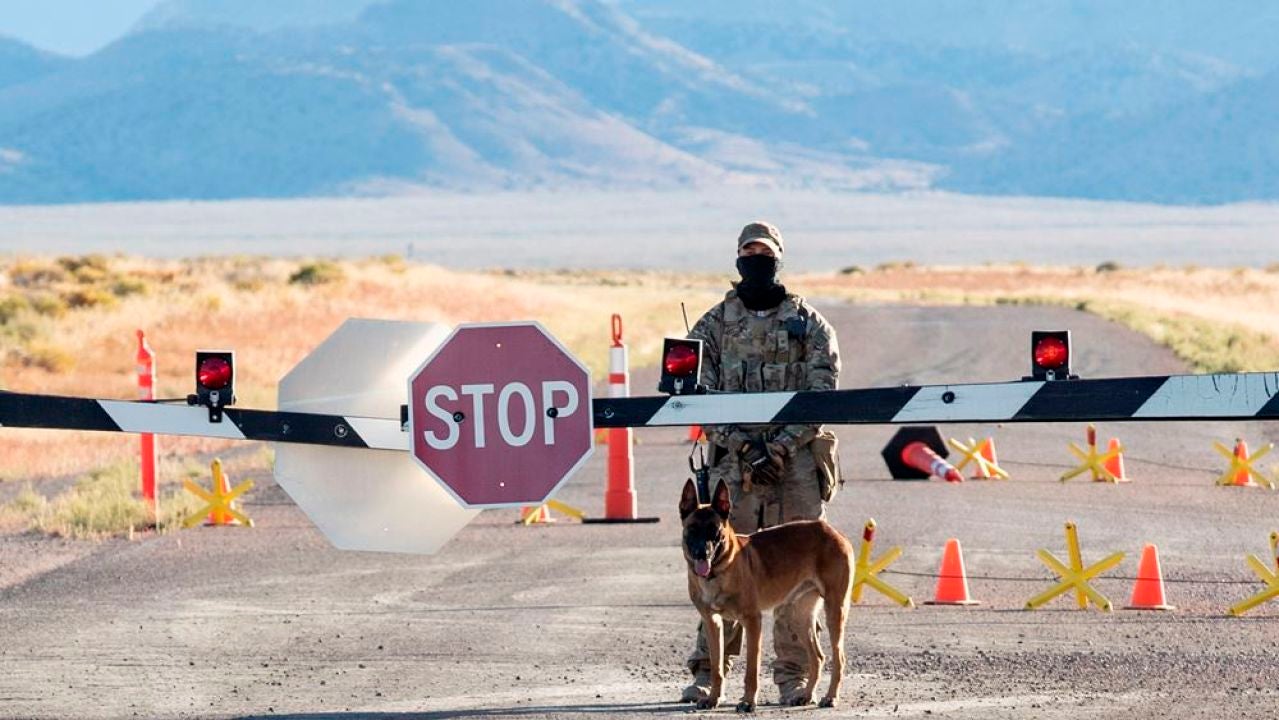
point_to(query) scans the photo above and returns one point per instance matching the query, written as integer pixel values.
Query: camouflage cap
(763, 232)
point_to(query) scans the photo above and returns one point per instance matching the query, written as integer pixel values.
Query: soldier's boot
(700, 688)
(799, 657)
(699, 663)
(795, 692)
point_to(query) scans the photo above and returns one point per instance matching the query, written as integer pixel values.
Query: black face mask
(759, 289)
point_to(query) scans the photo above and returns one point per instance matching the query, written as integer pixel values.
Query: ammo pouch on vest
(825, 449)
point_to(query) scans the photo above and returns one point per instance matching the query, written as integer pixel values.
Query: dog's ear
(721, 502)
(688, 500)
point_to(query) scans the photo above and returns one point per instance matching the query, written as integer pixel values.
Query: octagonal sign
(500, 414)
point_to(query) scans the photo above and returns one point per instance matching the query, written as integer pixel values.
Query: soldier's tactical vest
(763, 354)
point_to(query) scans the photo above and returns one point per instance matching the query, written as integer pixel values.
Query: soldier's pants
(797, 497)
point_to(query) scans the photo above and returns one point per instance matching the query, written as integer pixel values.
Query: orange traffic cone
(1243, 478)
(535, 516)
(1116, 463)
(988, 452)
(1148, 591)
(952, 581)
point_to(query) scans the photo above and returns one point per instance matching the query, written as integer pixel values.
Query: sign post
(500, 415)
(146, 393)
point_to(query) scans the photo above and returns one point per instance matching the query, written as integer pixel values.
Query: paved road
(593, 621)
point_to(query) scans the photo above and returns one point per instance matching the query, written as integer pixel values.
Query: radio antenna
(684, 310)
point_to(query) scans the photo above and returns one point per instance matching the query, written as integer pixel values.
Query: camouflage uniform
(790, 347)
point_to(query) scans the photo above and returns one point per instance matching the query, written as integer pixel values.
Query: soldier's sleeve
(821, 356)
(709, 329)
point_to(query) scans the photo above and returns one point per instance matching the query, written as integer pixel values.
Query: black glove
(764, 467)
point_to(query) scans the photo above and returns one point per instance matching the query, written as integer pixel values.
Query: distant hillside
(1221, 147)
(233, 98)
(260, 15)
(21, 63)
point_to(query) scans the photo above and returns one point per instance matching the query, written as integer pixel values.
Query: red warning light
(681, 361)
(214, 373)
(1051, 353)
(214, 381)
(681, 366)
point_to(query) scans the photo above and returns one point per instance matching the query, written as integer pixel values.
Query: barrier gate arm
(1227, 396)
(74, 413)
(1238, 396)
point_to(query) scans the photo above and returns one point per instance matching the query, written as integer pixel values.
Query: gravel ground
(570, 620)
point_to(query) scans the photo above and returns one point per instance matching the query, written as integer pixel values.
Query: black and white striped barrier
(1240, 396)
(1233, 396)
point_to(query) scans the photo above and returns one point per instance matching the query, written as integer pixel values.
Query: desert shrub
(852, 270)
(11, 306)
(89, 297)
(74, 264)
(317, 273)
(395, 263)
(15, 334)
(126, 286)
(27, 502)
(101, 503)
(47, 356)
(248, 284)
(211, 302)
(89, 275)
(32, 274)
(248, 277)
(895, 265)
(1108, 266)
(47, 304)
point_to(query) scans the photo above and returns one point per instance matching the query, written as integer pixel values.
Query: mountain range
(212, 99)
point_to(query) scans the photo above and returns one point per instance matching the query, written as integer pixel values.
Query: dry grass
(67, 324)
(104, 502)
(273, 318)
(1218, 320)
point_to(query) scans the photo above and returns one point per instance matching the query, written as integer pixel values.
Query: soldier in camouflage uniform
(763, 339)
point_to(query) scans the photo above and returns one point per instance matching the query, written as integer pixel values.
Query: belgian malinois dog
(737, 577)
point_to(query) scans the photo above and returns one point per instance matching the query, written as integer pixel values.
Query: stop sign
(500, 414)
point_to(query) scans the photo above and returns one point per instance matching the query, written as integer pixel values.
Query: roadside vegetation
(67, 327)
(1216, 320)
(101, 503)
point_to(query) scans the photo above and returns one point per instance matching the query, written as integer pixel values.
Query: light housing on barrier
(1050, 355)
(681, 366)
(214, 381)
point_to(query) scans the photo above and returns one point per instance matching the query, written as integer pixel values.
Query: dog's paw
(746, 706)
(827, 702)
(708, 703)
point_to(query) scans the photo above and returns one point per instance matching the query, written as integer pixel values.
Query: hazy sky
(70, 27)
